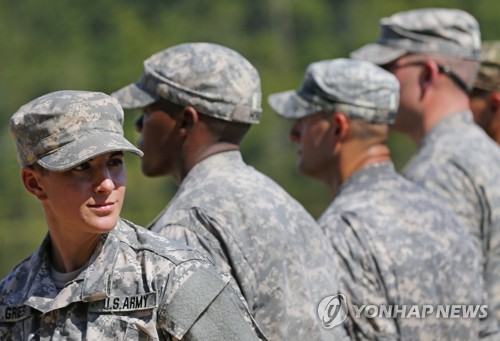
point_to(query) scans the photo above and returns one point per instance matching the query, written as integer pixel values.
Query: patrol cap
(214, 79)
(65, 128)
(356, 88)
(488, 77)
(447, 32)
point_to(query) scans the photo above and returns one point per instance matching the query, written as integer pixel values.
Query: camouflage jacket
(138, 287)
(399, 246)
(459, 162)
(251, 227)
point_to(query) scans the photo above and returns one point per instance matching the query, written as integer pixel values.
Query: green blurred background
(100, 46)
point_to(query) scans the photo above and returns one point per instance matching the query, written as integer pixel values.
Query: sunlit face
(312, 135)
(158, 140)
(86, 199)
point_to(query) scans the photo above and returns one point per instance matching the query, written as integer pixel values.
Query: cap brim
(86, 148)
(378, 54)
(133, 96)
(290, 105)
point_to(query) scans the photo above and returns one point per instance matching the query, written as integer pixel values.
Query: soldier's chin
(300, 167)
(105, 224)
(149, 171)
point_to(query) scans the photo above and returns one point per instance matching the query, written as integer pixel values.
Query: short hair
(225, 131)
(222, 130)
(170, 107)
(39, 168)
(363, 130)
(369, 131)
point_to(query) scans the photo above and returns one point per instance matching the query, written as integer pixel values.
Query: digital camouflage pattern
(251, 227)
(140, 286)
(214, 79)
(488, 77)
(458, 161)
(448, 32)
(399, 246)
(65, 128)
(357, 88)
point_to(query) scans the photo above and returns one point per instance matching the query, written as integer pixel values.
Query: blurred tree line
(100, 46)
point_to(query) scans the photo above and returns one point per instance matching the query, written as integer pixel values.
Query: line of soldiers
(233, 256)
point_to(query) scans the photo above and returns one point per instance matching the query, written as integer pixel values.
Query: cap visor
(133, 96)
(377, 54)
(86, 148)
(288, 104)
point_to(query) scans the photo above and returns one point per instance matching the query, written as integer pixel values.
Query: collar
(90, 285)
(369, 173)
(448, 124)
(221, 160)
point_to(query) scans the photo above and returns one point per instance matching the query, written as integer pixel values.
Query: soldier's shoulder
(142, 240)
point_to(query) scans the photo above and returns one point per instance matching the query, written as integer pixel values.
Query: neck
(193, 157)
(70, 254)
(440, 107)
(350, 164)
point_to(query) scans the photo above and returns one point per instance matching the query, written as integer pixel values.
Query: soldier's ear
(189, 117)
(340, 126)
(429, 74)
(31, 178)
(494, 103)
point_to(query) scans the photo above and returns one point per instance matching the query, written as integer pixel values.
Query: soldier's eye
(82, 166)
(116, 161)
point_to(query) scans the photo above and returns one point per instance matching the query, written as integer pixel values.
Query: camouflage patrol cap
(488, 77)
(447, 32)
(65, 128)
(356, 88)
(214, 79)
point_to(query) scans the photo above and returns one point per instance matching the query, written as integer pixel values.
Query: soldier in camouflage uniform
(434, 53)
(95, 276)
(485, 96)
(199, 100)
(398, 245)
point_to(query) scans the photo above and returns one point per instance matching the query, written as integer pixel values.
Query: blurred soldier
(485, 96)
(198, 101)
(434, 53)
(95, 276)
(397, 244)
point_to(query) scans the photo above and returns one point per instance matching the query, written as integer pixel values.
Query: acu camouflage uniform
(397, 245)
(62, 129)
(251, 227)
(140, 286)
(136, 285)
(456, 160)
(244, 221)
